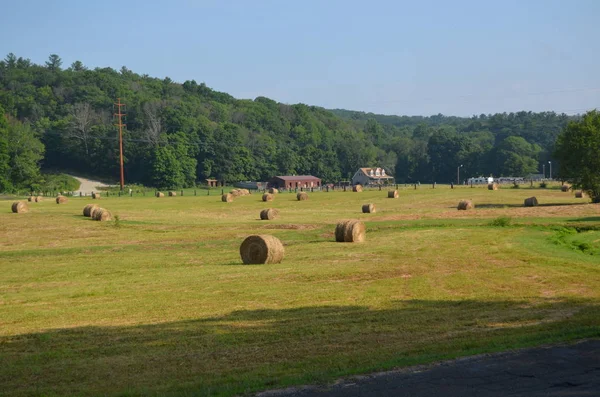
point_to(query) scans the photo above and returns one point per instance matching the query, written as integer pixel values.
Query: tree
(153, 121)
(26, 152)
(78, 66)
(5, 182)
(447, 150)
(516, 157)
(577, 149)
(166, 169)
(83, 118)
(54, 63)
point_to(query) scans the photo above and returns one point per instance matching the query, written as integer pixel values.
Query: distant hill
(179, 134)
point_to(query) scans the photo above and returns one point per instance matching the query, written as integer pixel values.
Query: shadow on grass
(249, 350)
(522, 206)
(588, 219)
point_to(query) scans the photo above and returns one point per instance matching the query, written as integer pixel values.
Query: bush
(502, 221)
(57, 182)
(543, 185)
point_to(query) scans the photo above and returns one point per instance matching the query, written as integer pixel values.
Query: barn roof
(297, 177)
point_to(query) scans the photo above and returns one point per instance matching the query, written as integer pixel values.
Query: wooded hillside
(58, 117)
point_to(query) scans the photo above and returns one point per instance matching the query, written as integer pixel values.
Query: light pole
(458, 174)
(544, 171)
(550, 162)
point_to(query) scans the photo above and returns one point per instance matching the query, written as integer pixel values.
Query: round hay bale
(393, 194)
(19, 207)
(160, 194)
(227, 198)
(101, 214)
(38, 199)
(87, 210)
(269, 214)
(564, 188)
(257, 250)
(95, 195)
(465, 205)
(267, 197)
(354, 232)
(244, 192)
(93, 211)
(61, 200)
(350, 231)
(273, 191)
(172, 194)
(579, 194)
(530, 202)
(368, 209)
(492, 186)
(301, 196)
(340, 230)
(357, 188)
(30, 199)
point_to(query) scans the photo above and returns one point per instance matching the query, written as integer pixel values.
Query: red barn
(295, 181)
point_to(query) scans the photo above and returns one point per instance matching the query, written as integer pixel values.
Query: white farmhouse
(371, 176)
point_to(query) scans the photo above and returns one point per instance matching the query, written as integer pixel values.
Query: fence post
(181, 192)
(194, 192)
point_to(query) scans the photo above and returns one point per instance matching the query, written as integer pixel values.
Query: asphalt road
(559, 371)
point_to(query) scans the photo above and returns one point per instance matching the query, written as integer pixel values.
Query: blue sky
(393, 57)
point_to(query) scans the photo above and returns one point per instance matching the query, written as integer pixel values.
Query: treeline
(180, 134)
(431, 148)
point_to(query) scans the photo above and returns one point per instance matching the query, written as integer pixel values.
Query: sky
(393, 57)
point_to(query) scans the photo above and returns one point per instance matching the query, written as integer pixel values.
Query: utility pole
(120, 124)
(458, 174)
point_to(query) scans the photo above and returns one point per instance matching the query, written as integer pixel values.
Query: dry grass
(162, 305)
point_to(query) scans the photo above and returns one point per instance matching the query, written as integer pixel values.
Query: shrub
(502, 221)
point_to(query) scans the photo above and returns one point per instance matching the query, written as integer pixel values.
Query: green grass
(161, 304)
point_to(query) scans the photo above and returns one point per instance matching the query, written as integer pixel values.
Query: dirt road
(88, 186)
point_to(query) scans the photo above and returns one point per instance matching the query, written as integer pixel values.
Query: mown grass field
(160, 304)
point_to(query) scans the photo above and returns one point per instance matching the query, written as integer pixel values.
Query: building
(295, 181)
(371, 176)
(482, 180)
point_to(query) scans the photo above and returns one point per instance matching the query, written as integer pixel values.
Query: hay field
(158, 302)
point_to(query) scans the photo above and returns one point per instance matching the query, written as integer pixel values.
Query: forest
(56, 118)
